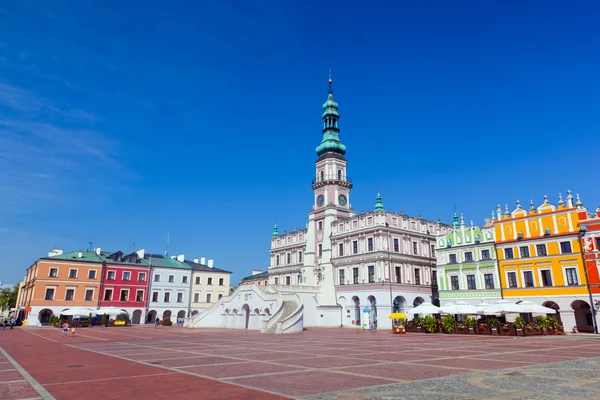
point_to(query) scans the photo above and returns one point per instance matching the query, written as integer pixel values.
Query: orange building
(540, 259)
(60, 281)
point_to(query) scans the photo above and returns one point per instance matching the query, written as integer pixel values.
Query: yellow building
(539, 259)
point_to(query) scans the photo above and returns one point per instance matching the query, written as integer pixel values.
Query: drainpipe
(102, 271)
(580, 235)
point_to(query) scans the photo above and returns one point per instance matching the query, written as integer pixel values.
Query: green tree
(8, 297)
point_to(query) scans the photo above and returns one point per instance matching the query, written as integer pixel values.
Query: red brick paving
(18, 390)
(406, 371)
(307, 383)
(477, 364)
(287, 364)
(13, 375)
(47, 363)
(233, 370)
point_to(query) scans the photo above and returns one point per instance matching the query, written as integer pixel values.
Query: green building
(466, 264)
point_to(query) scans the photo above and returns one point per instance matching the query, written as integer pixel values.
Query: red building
(590, 242)
(125, 283)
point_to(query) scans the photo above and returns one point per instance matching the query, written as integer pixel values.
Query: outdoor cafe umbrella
(77, 311)
(460, 307)
(425, 308)
(110, 311)
(530, 307)
(502, 307)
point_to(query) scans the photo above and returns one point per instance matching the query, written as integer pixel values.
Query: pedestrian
(12, 322)
(3, 323)
(156, 322)
(65, 329)
(73, 331)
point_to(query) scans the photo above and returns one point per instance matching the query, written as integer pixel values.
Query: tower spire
(331, 141)
(275, 232)
(378, 203)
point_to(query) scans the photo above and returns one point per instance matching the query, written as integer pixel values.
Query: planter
(399, 330)
(471, 331)
(520, 332)
(494, 331)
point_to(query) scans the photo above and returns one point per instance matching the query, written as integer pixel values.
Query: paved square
(172, 362)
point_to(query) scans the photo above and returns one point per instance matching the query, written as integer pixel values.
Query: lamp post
(580, 235)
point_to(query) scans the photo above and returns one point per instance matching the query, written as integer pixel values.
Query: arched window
(339, 174)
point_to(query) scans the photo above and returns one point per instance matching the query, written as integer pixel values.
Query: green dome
(331, 142)
(329, 146)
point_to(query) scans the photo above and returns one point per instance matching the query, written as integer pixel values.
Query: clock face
(342, 200)
(320, 200)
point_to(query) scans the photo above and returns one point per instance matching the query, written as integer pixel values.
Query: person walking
(156, 322)
(3, 323)
(12, 322)
(65, 329)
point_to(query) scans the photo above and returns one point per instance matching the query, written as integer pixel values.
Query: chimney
(141, 253)
(55, 252)
(97, 250)
(197, 260)
(79, 254)
(203, 260)
(173, 257)
(180, 257)
(210, 263)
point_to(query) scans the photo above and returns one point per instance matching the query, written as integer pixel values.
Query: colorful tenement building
(590, 226)
(540, 259)
(143, 285)
(466, 264)
(261, 278)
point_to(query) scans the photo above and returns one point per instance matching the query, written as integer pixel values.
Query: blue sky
(200, 119)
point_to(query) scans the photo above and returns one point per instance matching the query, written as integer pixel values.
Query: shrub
(493, 323)
(53, 319)
(519, 322)
(448, 322)
(541, 322)
(402, 322)
(418, 321)
(470, 322)
(552, 322)
(430, 324)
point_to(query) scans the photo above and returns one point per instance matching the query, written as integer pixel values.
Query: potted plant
(54, 321)
(493, 324)
(430, 324)
(470, 323)
(167, 322)
(449, 324)
(519, 324)
(418, 324)
(542, 324)
(552, 324)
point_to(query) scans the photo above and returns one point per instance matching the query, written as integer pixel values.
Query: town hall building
(342, 263)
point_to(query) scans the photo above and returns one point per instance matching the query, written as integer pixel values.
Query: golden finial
(330, 80)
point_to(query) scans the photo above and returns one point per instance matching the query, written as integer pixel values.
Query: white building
(342, 262)
(169, 288)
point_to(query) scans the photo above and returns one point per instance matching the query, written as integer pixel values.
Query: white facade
(169, 293)
(305, 264)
